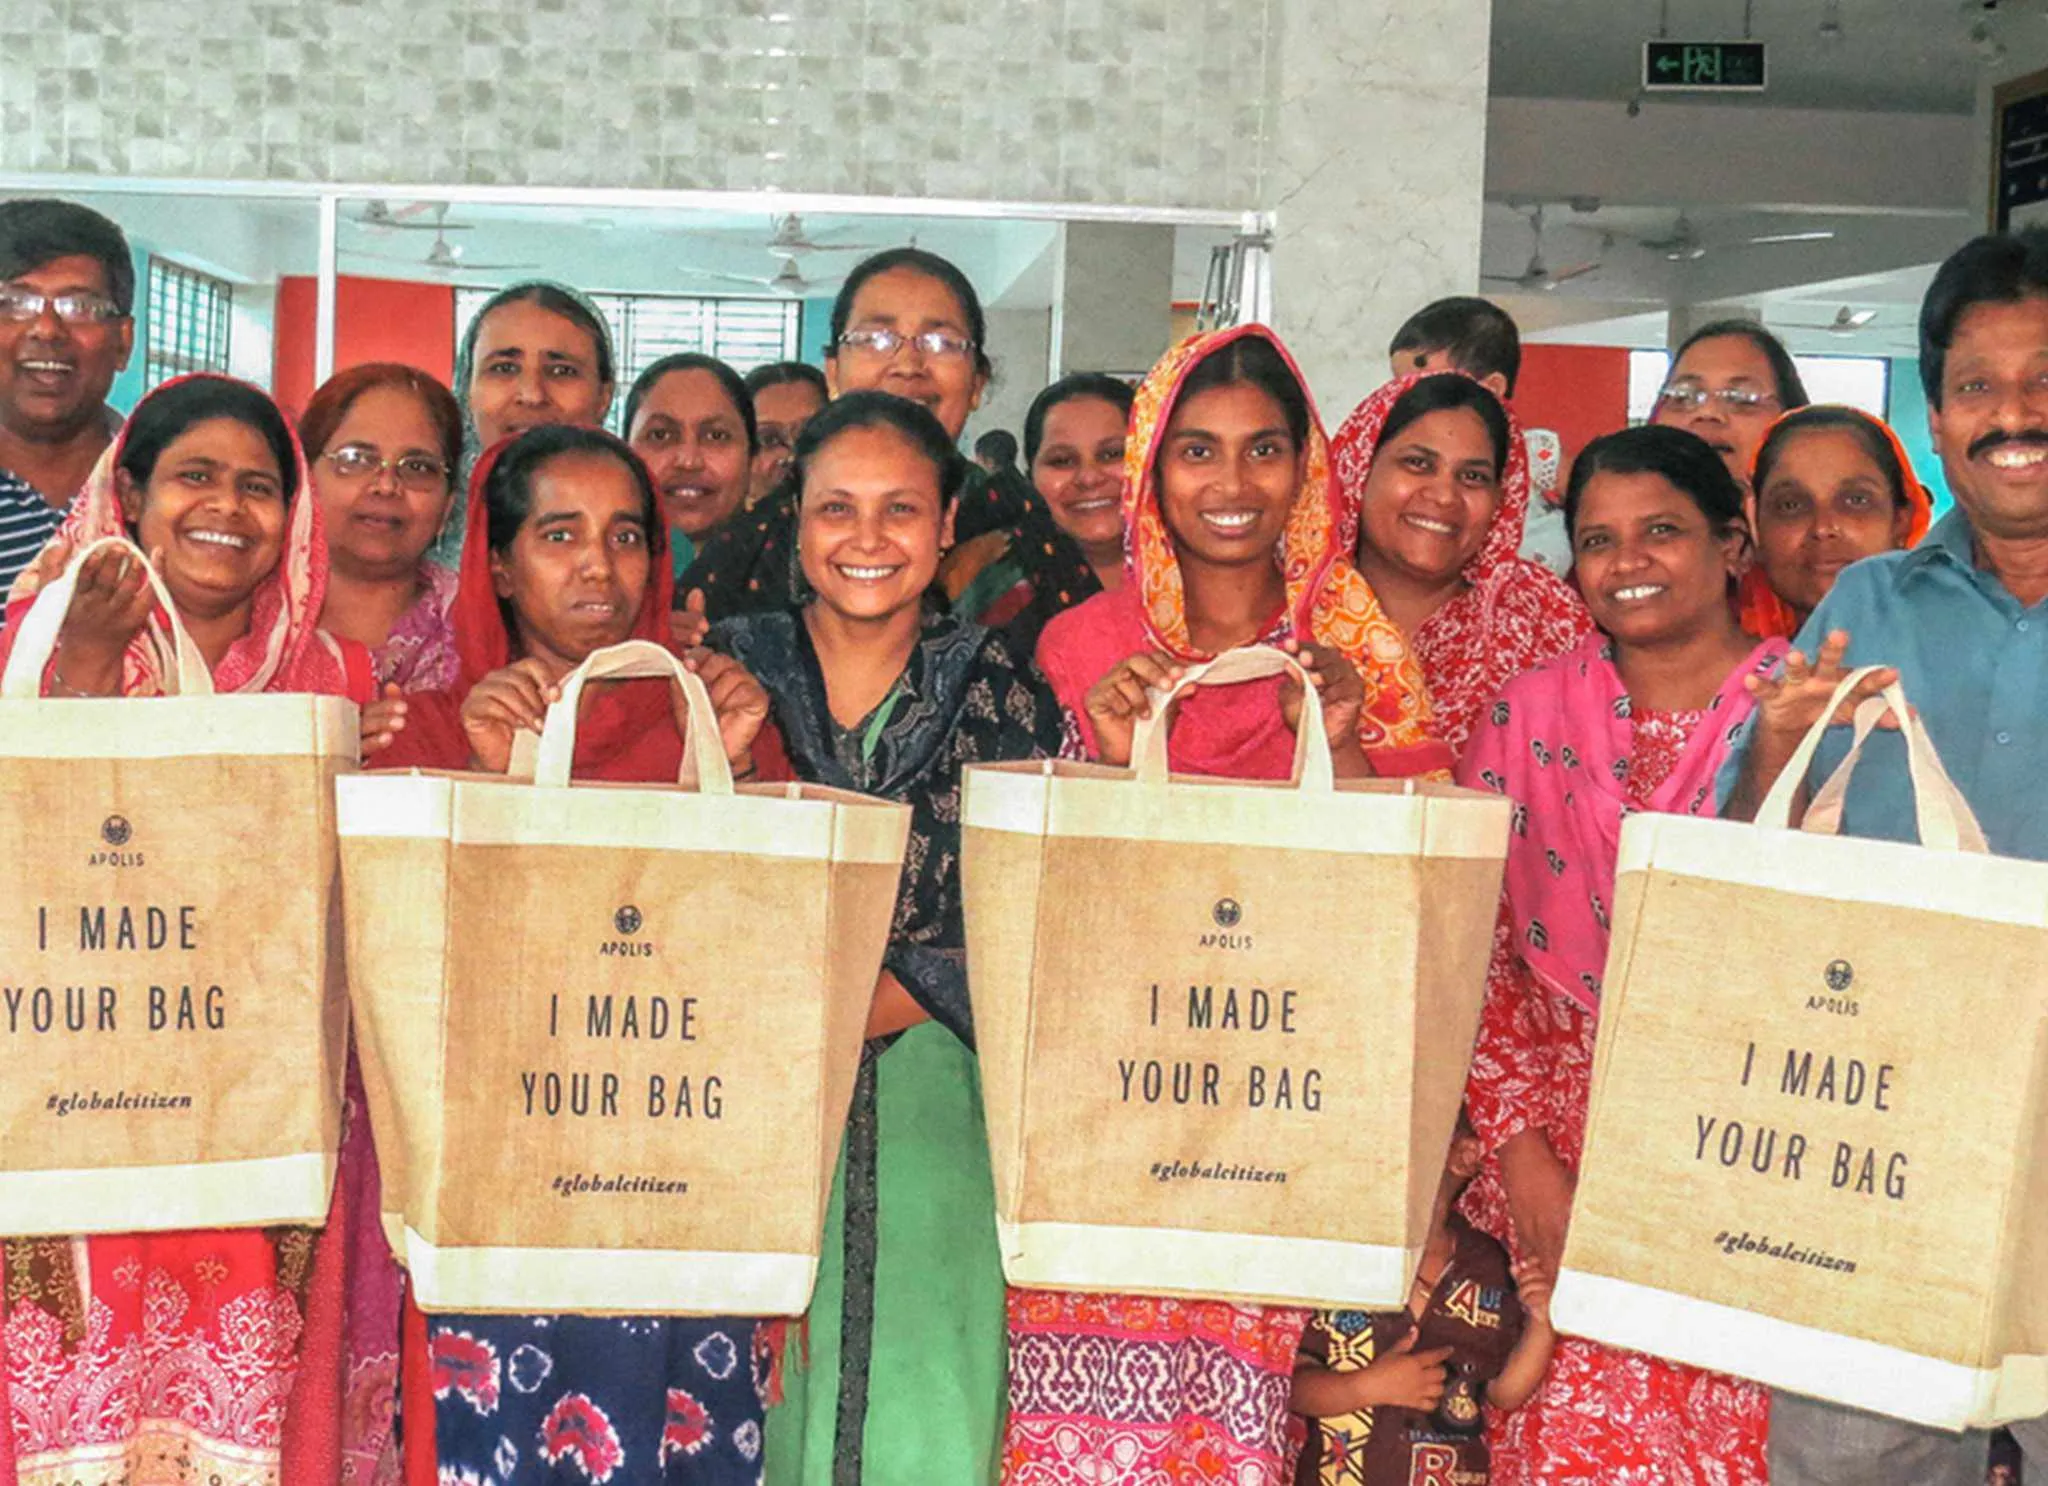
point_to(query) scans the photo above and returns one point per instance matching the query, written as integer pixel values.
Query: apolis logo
(1228, 916)
(627, 922)
(1839, 978)
(116, 833)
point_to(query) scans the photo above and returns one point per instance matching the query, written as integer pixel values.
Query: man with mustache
(1963, 621)
(67, 293)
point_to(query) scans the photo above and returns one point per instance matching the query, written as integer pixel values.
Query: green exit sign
(1703, 66)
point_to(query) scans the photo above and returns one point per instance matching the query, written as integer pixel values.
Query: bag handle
(1312, 767)
(35, 638)
(704, 762)
(1943, 817)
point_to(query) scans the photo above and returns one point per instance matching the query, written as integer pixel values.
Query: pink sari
(208, 1356)
(1565, 743)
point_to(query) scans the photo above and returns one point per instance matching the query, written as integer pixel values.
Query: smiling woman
(1642, 716)
(384, 442)
(1435, 474)
(207, 477)
(692, 419)
(535, 353)
(907, 322)
(878, 692)
(1832, 486)
(1233, 540)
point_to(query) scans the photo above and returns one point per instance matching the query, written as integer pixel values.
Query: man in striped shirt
(67, 296)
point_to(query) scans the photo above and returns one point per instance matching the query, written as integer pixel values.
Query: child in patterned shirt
(1393, 1398)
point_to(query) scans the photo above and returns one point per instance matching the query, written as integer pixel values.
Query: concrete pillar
(1112, 297)
(1375, 178)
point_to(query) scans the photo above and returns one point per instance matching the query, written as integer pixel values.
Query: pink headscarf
(284, 650)
(1513, 612)
(1557, 742)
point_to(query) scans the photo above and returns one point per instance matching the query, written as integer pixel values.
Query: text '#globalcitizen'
(121, 1101)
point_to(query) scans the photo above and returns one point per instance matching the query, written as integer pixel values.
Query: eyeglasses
(23, 305)
(419, 472)
(1691, 397)
(883, 341)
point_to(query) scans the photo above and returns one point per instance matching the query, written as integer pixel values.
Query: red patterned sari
(190, 1358)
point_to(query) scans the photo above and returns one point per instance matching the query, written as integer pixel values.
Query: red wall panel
(375, 320)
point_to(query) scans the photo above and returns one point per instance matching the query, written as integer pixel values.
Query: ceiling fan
(1847, 321)
(789, 280)
(443, 257)
(789, 240)
(381, 216)
(1537, 276)
(1683, 243)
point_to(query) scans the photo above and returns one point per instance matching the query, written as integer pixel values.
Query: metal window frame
(176, 297)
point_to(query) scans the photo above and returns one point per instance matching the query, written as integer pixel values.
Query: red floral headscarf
(1512, 614)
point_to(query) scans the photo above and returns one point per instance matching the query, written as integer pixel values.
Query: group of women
(878, 618)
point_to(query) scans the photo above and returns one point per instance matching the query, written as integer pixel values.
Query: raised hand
(688, 625)
(500, 705)
(1533, 1281)
(1116, 702)
(383, 720)
(1340, 689)
(109, 607)
(1788, 705)
(1791, 702)
(739, 700)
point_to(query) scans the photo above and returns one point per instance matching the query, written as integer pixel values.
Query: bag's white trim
(1891, 874)
(1799, 1359)
(759, 821)
(1181, 1261)
(1363, 818)
(528, 1281)
(256, 725)
(262, 1192)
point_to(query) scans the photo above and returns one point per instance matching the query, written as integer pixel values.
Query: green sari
(900, 1375)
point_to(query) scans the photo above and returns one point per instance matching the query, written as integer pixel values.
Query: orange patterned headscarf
(1327, 599)
(1761, 612)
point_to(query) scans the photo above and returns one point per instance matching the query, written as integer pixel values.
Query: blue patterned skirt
(587, 1400)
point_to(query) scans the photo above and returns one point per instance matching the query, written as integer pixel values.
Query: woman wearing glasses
(383, 441)
(1728, 382)
(909, 323)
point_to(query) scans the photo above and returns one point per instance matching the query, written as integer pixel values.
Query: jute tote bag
(1223, 1025)
(1811, 1157)
(609, 1032)
(172, 1023)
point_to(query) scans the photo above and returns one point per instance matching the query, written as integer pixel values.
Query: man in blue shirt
(67, 293)
(1962, 620)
